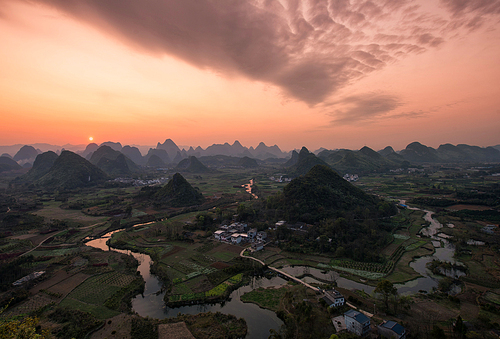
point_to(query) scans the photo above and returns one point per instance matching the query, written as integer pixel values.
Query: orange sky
(333, 74)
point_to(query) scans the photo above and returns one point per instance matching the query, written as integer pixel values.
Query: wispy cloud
(309, 49)
(368, 107)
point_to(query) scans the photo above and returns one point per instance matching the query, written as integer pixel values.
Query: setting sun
(91, 138)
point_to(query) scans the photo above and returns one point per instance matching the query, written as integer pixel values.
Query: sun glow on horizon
(91, 138)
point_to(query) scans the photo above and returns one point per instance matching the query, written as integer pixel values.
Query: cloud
(353, 109)
(309, 49)
(471, 14)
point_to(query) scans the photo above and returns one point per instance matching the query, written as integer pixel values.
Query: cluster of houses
(358, 323)
(351, 177)
(236, 233)
(281, 179)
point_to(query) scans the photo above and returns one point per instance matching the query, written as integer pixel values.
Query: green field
(91, 295)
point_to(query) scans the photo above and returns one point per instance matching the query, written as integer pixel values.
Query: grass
(224, 256)
(265, 297)
(51, 210)
(402, 271)
(91, 295)
(99, 311)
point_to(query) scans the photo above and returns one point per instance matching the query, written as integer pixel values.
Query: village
(353, 321)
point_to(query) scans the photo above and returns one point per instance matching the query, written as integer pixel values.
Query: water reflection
(150, 303)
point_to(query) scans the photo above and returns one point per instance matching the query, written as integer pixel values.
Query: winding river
(260, 321)
(150, 303)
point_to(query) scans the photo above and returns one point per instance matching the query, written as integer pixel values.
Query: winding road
(315, 289)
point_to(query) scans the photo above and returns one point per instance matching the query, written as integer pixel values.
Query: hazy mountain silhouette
(178, 193)
(293, 160)
(8, 164)
(192, 165)
(362, 161)
(113, 162)
(305, 161)
(114, 145)
(247, 162)
(133, 154)
(155, 162)
(26, 153)
(160, 153)
(170, 147)
(91, 148)
(448, 153)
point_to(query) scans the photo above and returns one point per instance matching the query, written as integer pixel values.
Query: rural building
(261, 236)
(280, 223)
(257, 246)
(391, 330)
(489, 229)
(27, 278)
(218, 234)
(333, 298)
(236, 238)
(252, 233)
(357, 322)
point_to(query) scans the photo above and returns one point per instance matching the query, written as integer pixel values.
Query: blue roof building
(356, 322)
(391, 329)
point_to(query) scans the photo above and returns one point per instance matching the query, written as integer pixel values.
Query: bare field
(468, 207)
(66, 286)
(52, 210)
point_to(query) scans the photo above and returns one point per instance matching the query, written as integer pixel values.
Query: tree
(25, 329)
(386, 289)
(459, 328)
(437, 333)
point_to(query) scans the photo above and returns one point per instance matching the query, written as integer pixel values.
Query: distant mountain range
(117, 160)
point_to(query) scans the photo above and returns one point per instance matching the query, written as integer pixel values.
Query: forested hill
(345, 220)
(320, 194)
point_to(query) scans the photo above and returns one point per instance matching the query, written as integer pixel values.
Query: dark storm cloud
(310, 49)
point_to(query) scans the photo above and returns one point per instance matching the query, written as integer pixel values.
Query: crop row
(364, 266)
(217, 291)
(96, 290)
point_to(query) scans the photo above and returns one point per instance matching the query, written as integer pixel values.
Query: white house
(357, 322)
(235, 238)
(333, 298)
(218, 234)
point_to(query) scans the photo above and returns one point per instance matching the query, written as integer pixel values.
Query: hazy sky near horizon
(323, 73)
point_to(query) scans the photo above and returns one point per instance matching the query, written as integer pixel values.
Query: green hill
(8, 164)
(71, 171)
(192, 165)
(362, 161)
(178, 193)
(247, 162)
(42, 165)
(321, 193)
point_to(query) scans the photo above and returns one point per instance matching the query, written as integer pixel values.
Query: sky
(322, 73)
